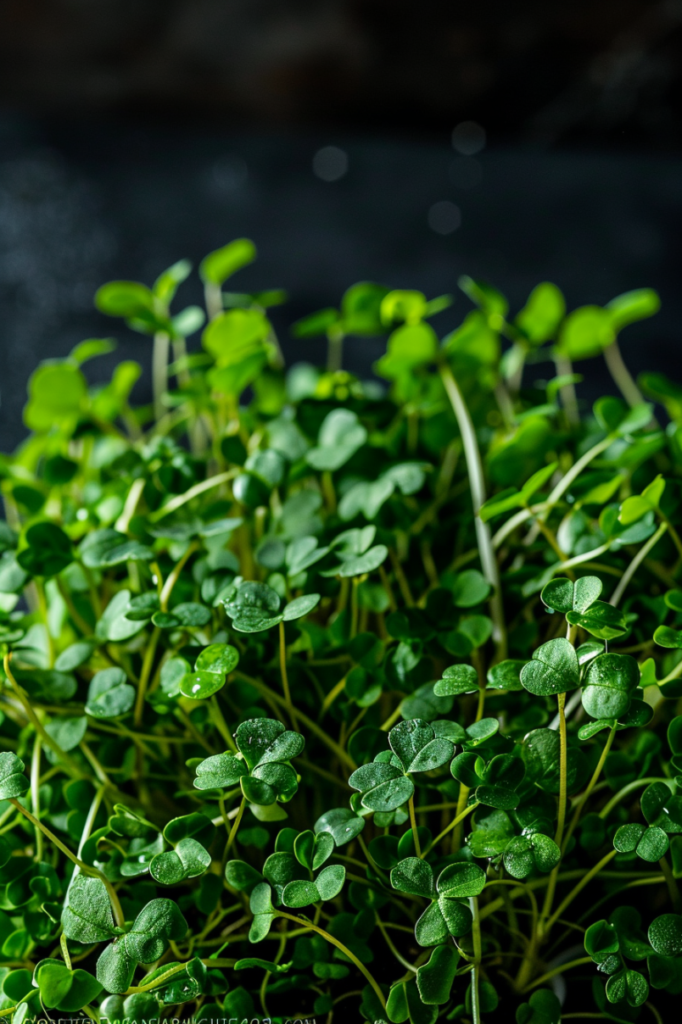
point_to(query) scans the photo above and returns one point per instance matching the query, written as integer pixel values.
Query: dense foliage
(336, 699)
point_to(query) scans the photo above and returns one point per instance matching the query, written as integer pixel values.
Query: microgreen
(339, 699)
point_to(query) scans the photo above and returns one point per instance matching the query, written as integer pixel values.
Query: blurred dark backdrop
(135, 133)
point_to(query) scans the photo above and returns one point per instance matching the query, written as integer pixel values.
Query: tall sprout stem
(622, 377)
(285, 677)
(487, 555)
(160, 372)
(85, 868)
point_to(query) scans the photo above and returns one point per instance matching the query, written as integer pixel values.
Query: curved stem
(340, 946)
(85, 868)
(579, 888)
(635, 564)
(559, 970)
(453, 824)
(590, 786)
(621, 375)
(472, 456)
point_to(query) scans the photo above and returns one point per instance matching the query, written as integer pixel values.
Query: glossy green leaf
(553, 669)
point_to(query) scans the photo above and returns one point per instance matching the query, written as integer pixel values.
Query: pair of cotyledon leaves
(416, 746)
(495, 784)
(385, 783)
(580, 603)
(447, 914)
(211, 669)
(62, 988)
(87, 918)
(254, 607)
(609, 942)
(609, 685)
(263, 771)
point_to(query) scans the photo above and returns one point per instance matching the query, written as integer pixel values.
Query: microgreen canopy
(339, 699)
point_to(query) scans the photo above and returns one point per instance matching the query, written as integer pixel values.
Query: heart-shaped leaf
(13, 782)
(553, 669)
(610, 683)
(564, 595)
(109, 694)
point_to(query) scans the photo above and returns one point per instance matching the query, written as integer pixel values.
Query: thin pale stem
(472, 456)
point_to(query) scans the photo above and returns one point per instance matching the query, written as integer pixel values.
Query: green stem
(615, 800)
(160, 372)
(193, 492)
(35, 795)
(563, 754)
(85, 868)
(621, 375)
(147, 664)
(285, 677)
(235, 825)
(559, 970)
(307, 722)
(590, 786)
(340, 946)
(45, 737)
(472, 456)
(578, 889)
(475, 973)
(413, 824)
(453, 824)
(635, 564)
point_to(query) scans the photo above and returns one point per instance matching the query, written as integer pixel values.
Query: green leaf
(531, 852)
(48, 552)
(543, 1007)
(404, 1004)
(565, 596)
(201, 685)
(610, 683)
(665, 636)
(188, 860)
(414, 876)
(342, 824)
(383, 786)
(123, 298)
(300, 606)
(87, 916)
(661, 808)
(64, 989)
(632, 306)
(456, 680)
(665, 934)
(461, 881)
(544, 310)
(553, 669)
(506, 675)
(586, 332)
(109, 695)
(223, 263)
(601, 620)
(341, 435)
(219, 772)
(629, 985)
(417, 746)
(313, 850)
(435, 978)
(13, 782)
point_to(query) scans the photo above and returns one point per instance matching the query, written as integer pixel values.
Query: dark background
(136, 132)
